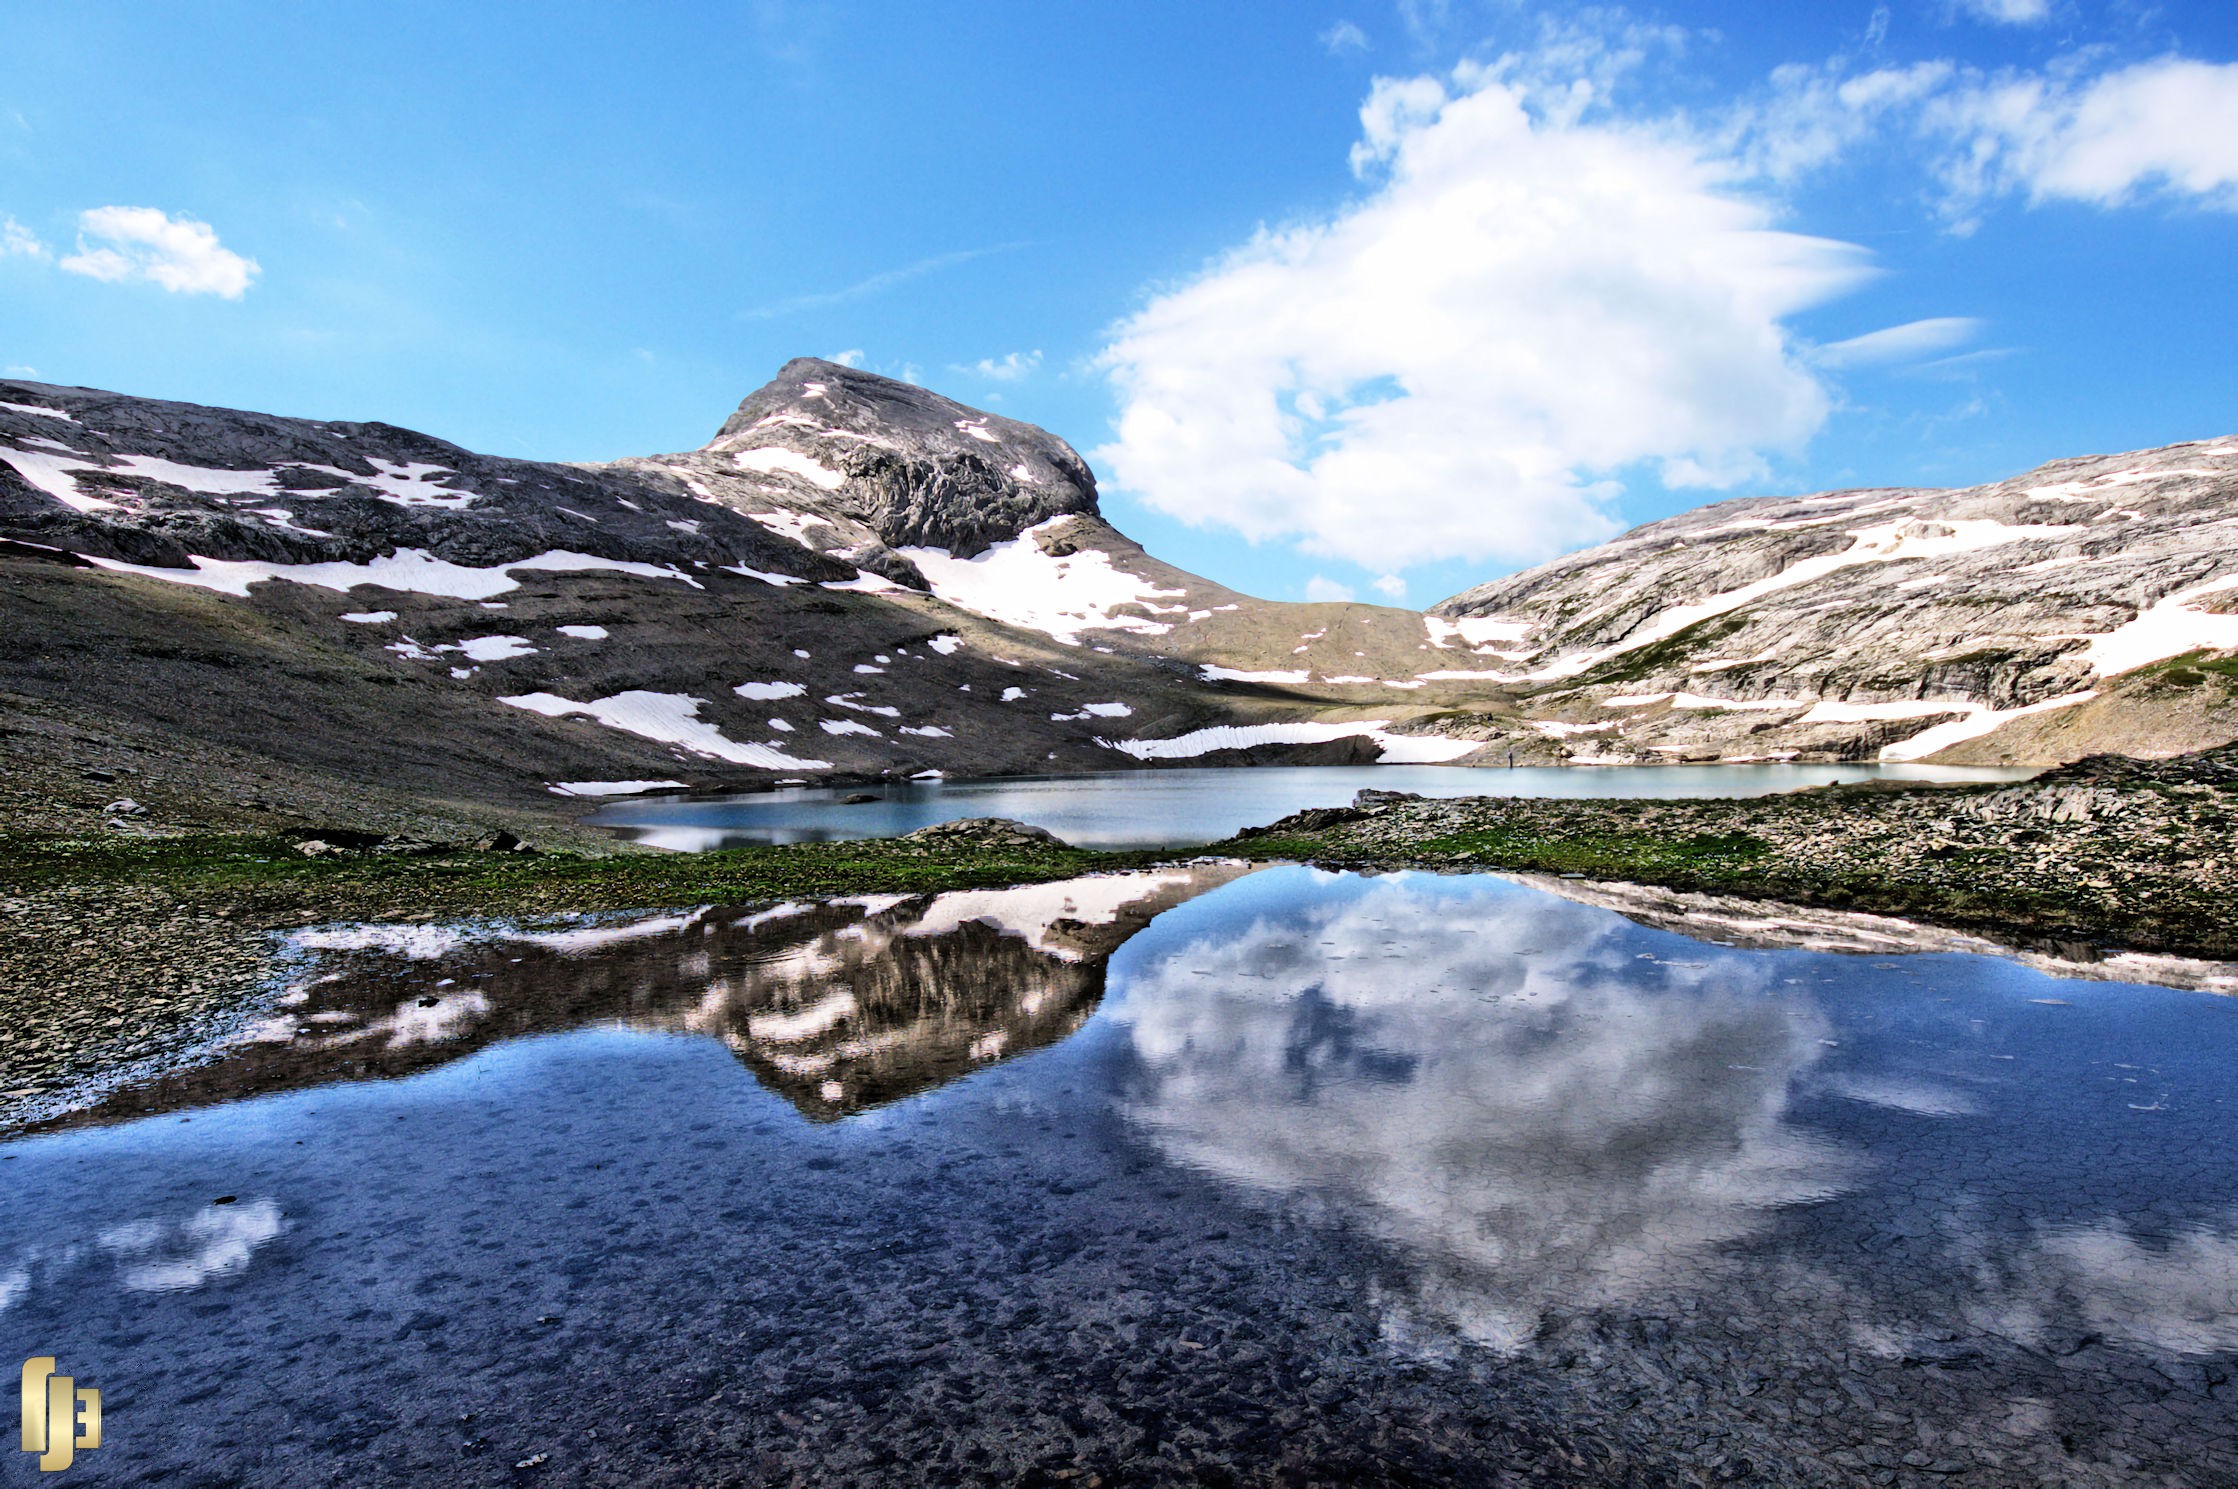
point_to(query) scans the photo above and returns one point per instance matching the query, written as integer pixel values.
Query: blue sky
(1350, 297)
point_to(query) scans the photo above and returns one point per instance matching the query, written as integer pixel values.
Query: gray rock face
(858, 465)
(1857, 621)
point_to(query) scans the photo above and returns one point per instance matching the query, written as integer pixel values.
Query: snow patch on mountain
(492, 648)
(613, 788)
(776, 460)
(1477, 632)
(408, 570)
(2170, 628)
(671, 718)
(1980, 719)
(1061, 595)
(1397, 749)
(1231, 674)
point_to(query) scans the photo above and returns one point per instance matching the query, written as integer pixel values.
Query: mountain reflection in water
(838, 1005)
(1340, 1179)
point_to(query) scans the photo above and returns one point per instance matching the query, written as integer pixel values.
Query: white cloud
(1391, 587)
(1321, 589)
(1911, 342)
(1012, 367)
(1527, 303)
(852, 357)
(16, 240)
(1343, 37)
(2169, 125)
(2008, 12)
(2166, 127)
(177, 253)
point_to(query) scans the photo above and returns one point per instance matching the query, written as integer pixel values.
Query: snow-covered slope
(2024, 619)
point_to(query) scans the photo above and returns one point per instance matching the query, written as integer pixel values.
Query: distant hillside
(857, 577)
(2086, 606)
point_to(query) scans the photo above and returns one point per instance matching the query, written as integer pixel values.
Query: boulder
(991, 832)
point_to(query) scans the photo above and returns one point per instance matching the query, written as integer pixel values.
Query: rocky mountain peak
(917, 469)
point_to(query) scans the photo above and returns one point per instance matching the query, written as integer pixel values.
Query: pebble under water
(1198, 1175)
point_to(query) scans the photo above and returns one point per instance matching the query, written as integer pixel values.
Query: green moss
(1606, 855)
(2191, 669)
(1296, 845)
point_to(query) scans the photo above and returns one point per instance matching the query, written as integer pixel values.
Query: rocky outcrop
(1905, 624)
(2107, 854)
(857, 466)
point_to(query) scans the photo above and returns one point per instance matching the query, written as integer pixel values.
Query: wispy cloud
(1913, 341)
(1343, 37)
(2165, 128)
(16, 240)
(875, 284)
(2008, 12)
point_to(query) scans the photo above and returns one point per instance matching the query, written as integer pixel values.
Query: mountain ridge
(856, 577)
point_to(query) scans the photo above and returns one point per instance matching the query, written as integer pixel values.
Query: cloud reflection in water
(1490, 1078)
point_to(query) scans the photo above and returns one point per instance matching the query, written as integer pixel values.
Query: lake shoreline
(130, 948)
(2108, 854)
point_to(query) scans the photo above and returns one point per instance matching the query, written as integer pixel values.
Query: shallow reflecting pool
(1198, 1175)
(1179, 808)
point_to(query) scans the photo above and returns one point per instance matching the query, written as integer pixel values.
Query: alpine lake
(1211, 1173)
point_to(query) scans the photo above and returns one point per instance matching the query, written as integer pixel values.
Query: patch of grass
(2193, 668)
(1607, 855)
(1293, 845)
(261, 874)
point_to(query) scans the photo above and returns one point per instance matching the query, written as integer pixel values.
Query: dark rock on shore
(1001, 832)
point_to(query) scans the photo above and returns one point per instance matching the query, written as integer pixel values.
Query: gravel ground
(105, 980)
